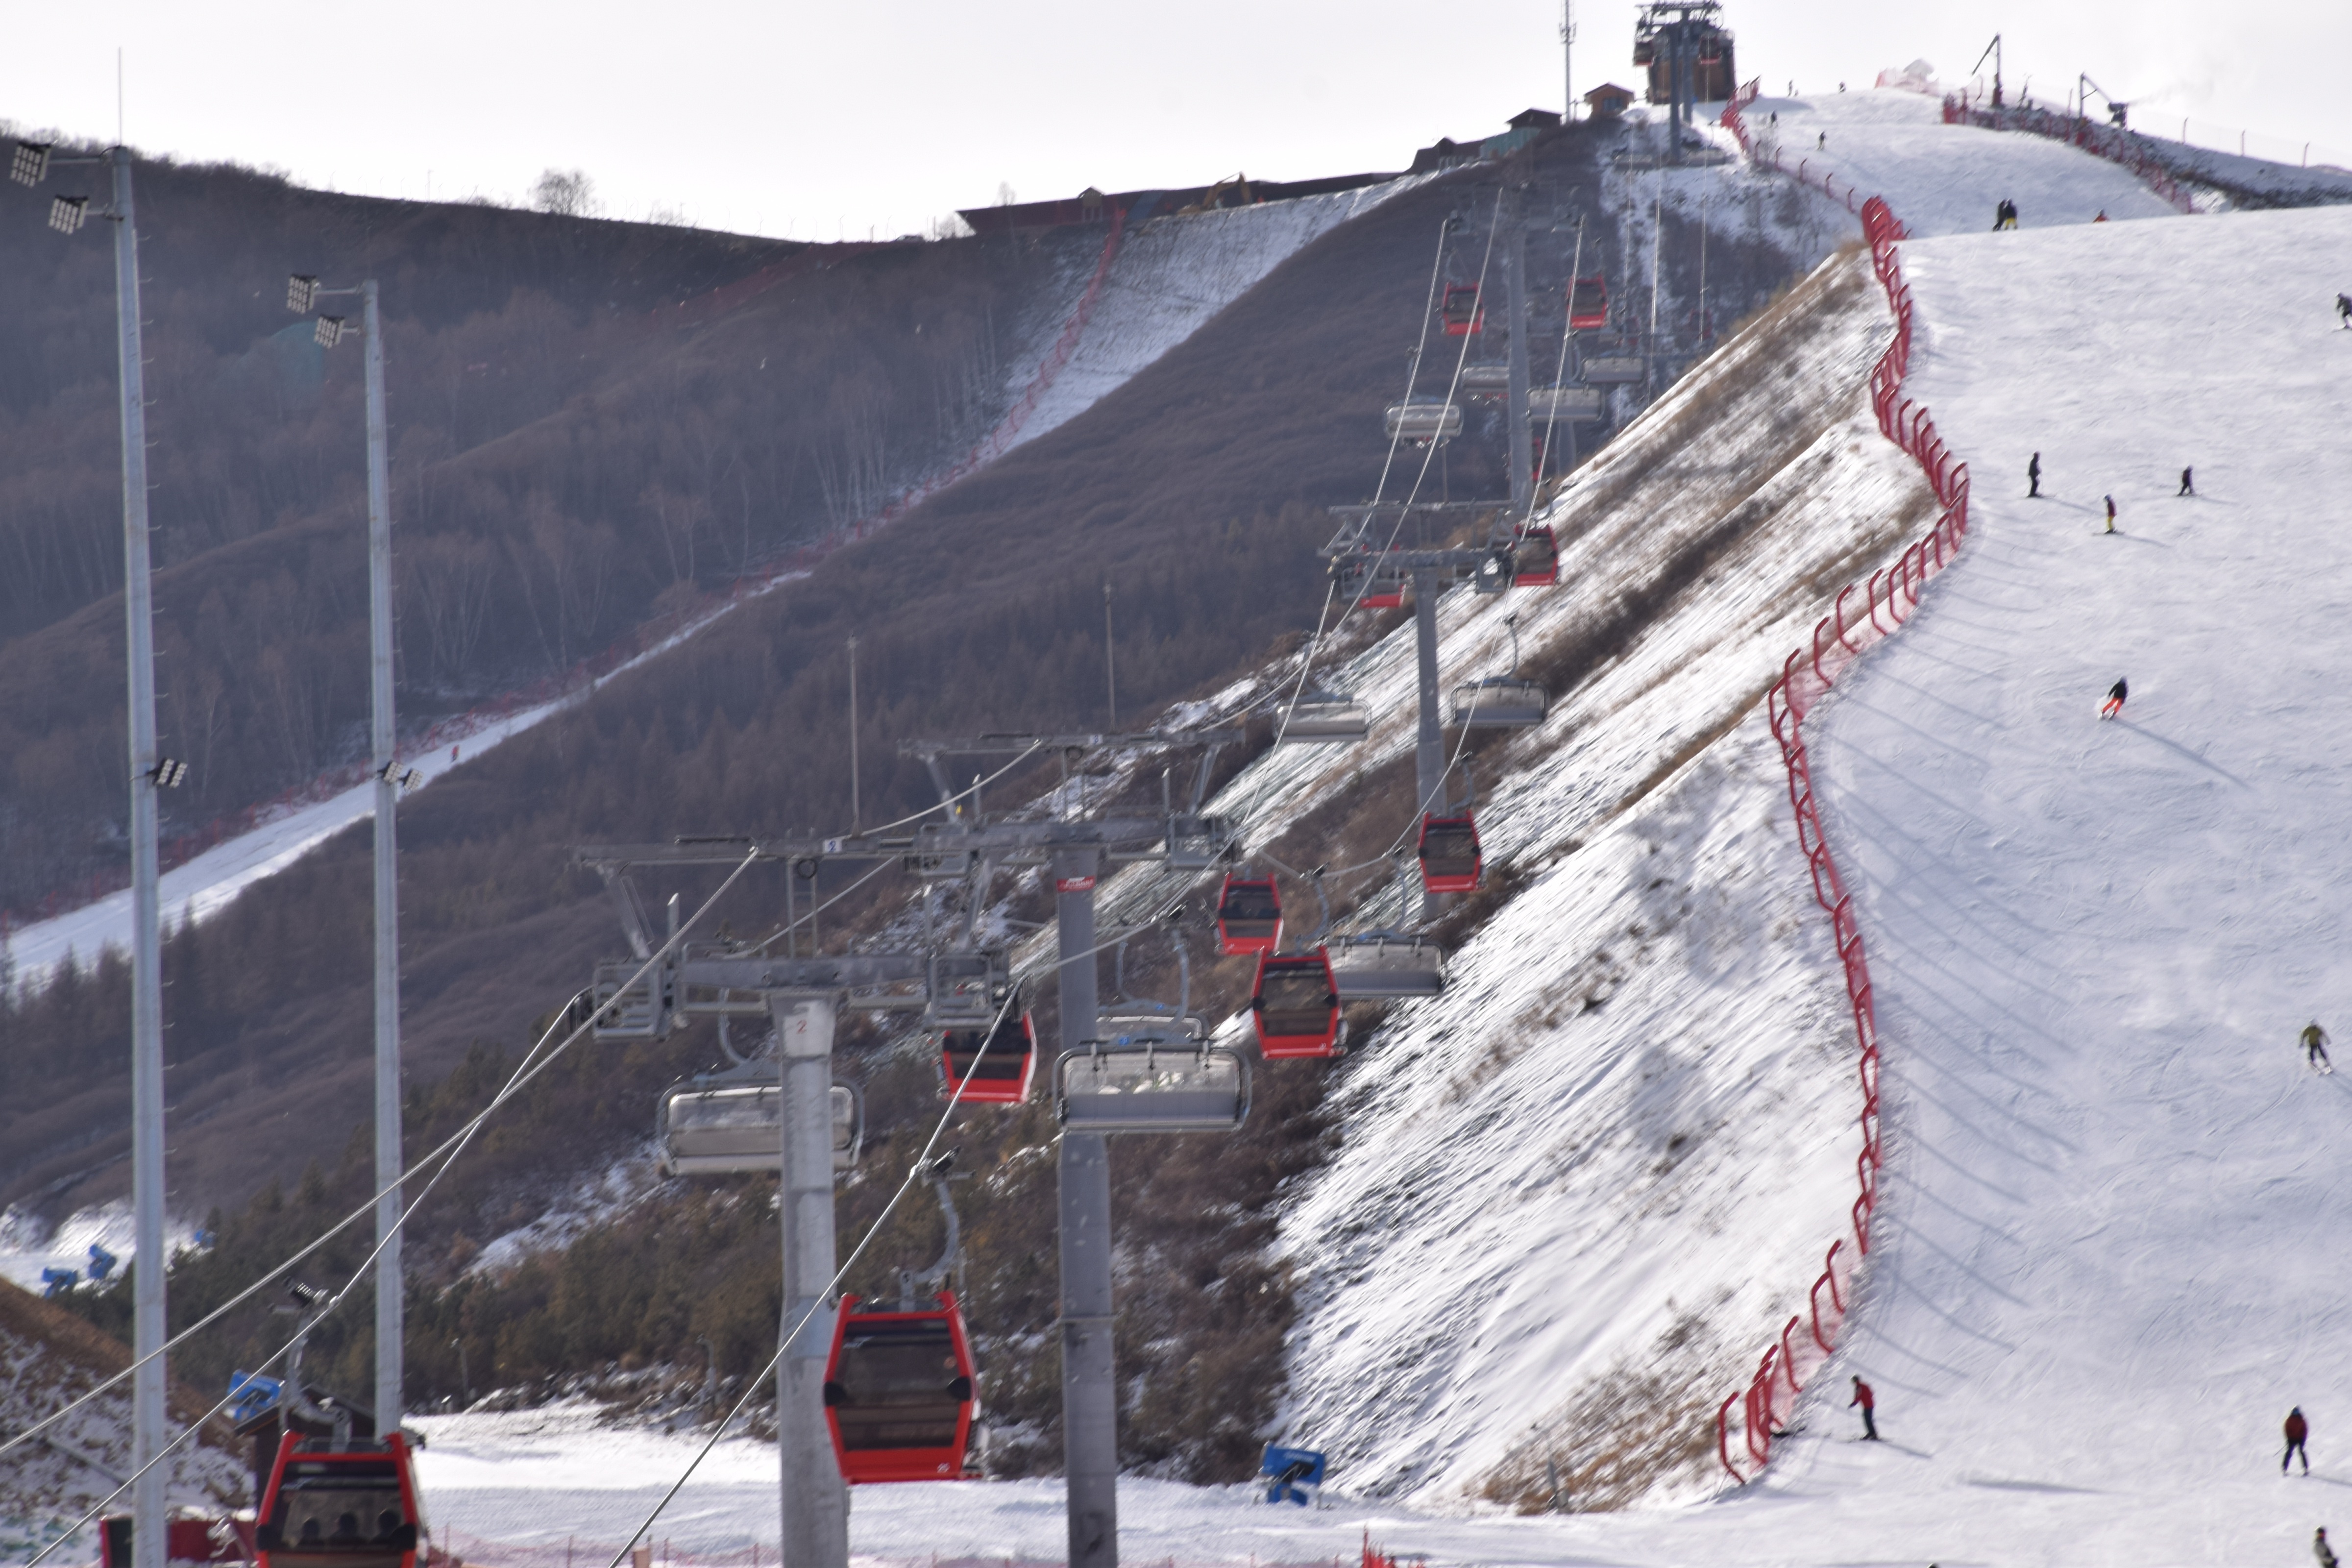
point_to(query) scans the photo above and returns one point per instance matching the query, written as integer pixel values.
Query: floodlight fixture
(168, 773)
(393, 774)
(302, 293)
(67, 214)
(329, 331)
(29, 164)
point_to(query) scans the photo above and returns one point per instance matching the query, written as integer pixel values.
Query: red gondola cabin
(1001, 1063)
(1297, 1005)
(1450, 859)
(1249, 917)
(1535, 562)
(1460, 311)
(1587, 304)
(898, 1392)
(352, 1505)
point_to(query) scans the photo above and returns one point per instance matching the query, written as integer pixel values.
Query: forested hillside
(1196, 491)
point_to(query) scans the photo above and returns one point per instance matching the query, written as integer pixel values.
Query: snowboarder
(2111, 512)
(2033, 477)
(1869, 1403)
(2298, 1429)
(2315, 1047)
(2188, 483)
(2321, 1550)
(2114, 705)
(2102, 217)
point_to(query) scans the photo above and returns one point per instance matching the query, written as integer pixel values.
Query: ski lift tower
(803, 995)
(1673, 39)
(1362, 546)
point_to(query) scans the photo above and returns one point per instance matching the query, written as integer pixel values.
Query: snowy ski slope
(2118, 1216)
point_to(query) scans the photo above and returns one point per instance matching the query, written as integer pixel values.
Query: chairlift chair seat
(644, 1011)
(1486, 382)
(898, 1393)
(710, 1128)
(1424, 420)
(1377, 965)
(994, 1067)
(1564, 405)
(1152, 1079)
(1198, 843)
(1499, 703)
(966, 989)
(1249, 917)
(1613, 370)
(1296, 1004)
(1450, 860)
(348, 1505)
(1325, 716)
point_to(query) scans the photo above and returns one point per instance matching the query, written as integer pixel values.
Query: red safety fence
(1887, 597)
(2113, 142)
(454, 730)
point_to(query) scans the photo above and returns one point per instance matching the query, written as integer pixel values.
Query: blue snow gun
(1291, 1470)
(56, 1282)
(101, 1262)
(253, 1395)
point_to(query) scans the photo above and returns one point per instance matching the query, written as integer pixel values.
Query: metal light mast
(301, 294)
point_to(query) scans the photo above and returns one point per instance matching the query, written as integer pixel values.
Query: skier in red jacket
(2298, 1429)
(1869, 1403)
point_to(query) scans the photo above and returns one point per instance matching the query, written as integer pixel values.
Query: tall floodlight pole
(302, 293)
(30, 164)
(1089, 1386)
(147, 1537)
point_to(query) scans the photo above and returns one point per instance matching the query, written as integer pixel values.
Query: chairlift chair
(966, 989)
(1376, 965)
(994, 1066)
(1535, 559)
(1564, 405)
(1587, 304)
(1460, 311)
(1450, 857)
(1249, 917)
(1296, 1004)
(1422, 420)
(1499, 702)
(1198, 843)
(733, 1124)
(348, 1502)
(1152, 1074)
(898, 1392)
(1485, 383)
(1326, 716)
(1613, 370)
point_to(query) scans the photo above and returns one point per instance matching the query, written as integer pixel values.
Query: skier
(2296, 1430)
(1821, 143)
(2114, 705)
(2321, 1550)
(2188, 483)
(2102, 217)
(1869, 1403)
(2033, 477)
(2315, 1047)
(2111, 512)
(2344, 310)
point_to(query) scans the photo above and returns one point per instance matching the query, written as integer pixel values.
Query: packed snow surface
(1940, 178)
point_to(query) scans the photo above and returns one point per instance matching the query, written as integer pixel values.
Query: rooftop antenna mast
(1567, 59)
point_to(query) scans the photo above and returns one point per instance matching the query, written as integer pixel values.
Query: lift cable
(522, 1075)
(1306, 664)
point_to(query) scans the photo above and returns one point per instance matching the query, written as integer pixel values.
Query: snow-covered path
(2116, 1218)
(1940, 178)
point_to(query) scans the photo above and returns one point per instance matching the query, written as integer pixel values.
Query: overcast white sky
(823, 121)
